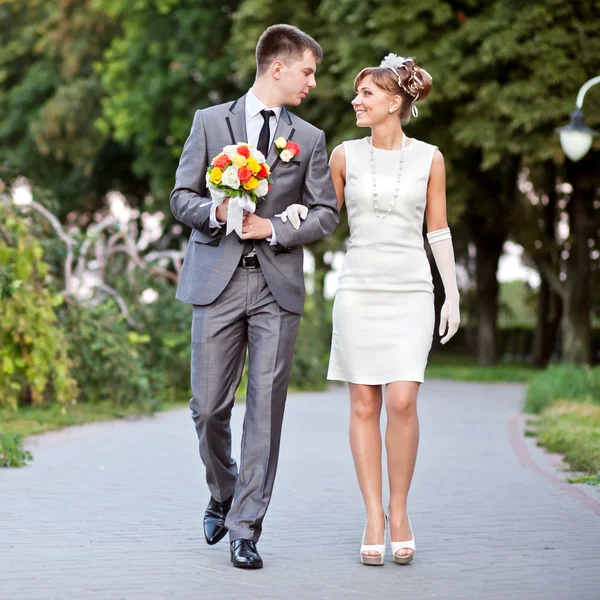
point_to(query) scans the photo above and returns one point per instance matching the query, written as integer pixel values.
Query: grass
(573, 430)
(567, 400)
(589, 479)
(563, 382)
(15, 425)
(35, 420)
(465, 368)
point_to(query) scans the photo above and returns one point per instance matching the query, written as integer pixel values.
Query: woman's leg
(401, 443)
(365, 443)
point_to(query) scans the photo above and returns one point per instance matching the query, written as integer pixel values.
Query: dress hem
(373, 381)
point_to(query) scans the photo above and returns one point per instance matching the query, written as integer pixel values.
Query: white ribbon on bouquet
(237, 206)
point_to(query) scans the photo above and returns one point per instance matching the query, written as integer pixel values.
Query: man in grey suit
(249, 293)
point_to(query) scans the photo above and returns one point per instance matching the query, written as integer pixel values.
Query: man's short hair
(284, 42)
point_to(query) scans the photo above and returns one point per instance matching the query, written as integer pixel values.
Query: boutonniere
(287, 151)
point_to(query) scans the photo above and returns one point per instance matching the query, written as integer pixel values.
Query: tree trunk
(548, 323)
(488, 214)
(549, 302)
(576, 336)
(489, 250)
(576, 323)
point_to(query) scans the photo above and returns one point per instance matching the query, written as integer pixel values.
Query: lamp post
(576, 138)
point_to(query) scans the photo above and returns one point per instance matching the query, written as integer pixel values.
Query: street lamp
(576, 138)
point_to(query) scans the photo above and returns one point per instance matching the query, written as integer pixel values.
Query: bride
(383, 315)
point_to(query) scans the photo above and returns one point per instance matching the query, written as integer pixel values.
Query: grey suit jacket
(211, 256)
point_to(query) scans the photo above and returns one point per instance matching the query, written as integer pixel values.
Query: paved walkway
(114, 511)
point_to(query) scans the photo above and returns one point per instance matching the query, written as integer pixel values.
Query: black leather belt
(249, 262)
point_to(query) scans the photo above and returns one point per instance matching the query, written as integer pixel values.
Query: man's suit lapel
(285, 130)
(236, 125)
(236, 121)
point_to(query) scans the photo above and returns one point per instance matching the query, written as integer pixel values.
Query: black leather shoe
(244, 555)
(214, 520)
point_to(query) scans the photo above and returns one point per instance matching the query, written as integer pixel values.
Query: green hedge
(34, 355)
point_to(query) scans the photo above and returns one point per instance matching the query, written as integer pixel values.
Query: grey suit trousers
(244, 316)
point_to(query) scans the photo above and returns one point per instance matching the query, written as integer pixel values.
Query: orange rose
(221, 161)
(245, 174)
(244, 151)
(293, 148)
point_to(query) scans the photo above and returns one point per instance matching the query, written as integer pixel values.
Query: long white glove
(443, 253)
(294, 212)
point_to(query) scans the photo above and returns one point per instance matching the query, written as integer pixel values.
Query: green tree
(505, 75)
(170, 59)
(50, 99)
(519, 68)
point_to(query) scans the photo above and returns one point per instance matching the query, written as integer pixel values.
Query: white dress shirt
(254, 123)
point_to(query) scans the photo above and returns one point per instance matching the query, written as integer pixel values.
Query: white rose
(230, 177)
(286, 155)
(230, 150)
(257, 155)
(262, 188)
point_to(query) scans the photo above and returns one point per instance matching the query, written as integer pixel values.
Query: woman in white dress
(383, 315)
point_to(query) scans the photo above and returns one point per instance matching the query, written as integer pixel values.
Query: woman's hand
(449, 318)
(294, 213)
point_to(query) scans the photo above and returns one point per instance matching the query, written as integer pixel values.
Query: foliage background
(97, 97)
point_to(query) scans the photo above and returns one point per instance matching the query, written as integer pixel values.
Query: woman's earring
(391, 110)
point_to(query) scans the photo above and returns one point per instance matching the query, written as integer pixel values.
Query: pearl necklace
(397, 190)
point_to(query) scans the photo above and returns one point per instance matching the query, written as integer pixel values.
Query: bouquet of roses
(241, 173)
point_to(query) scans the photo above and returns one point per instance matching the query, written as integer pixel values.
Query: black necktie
(263, 146)
(265, 132)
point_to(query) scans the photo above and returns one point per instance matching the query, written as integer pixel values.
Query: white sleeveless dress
(383, 314)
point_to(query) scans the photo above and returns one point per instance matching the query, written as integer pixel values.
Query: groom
(249, 293)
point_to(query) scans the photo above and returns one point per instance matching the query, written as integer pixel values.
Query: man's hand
(222, 211)
(255, 227)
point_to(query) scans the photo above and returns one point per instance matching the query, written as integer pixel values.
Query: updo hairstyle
(414, 85)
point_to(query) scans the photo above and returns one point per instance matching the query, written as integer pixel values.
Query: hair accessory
(393, 61)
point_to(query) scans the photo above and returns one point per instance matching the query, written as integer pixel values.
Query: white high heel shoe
(397, 546)
(372, 560)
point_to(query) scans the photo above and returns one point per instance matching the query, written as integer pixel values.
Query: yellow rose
(280, 142)
(253, 165)
(216, 175)
(251, 184)
(239, 161)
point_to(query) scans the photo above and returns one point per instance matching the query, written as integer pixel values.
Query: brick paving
(114, 511)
